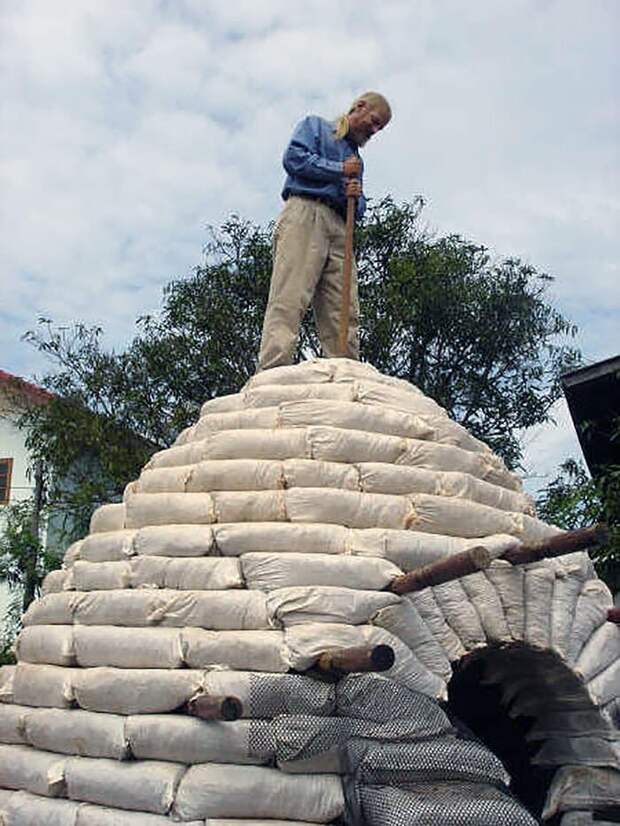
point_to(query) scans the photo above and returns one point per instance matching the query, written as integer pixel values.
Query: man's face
(364, 122)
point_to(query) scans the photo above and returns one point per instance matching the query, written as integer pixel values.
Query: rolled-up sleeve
(301, 158)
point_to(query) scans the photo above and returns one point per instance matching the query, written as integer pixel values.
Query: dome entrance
(515, 699)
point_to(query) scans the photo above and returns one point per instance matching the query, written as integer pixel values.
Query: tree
(432, 312)
(576, 500)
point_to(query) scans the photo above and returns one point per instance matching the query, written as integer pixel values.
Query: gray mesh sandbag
(448, 804)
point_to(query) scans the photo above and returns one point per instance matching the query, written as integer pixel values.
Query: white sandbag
(538, 595)
(74, 731)
(353, 416)
(134, 691)
(7, 675)
(72, 553)
(567, 587)
(216, 610)
(164, 480)
(605, 687)
(217, 790)
(177, 456)
(25, 809)
(249, 506)
(428, 608)
(350, 508)
(458, 517)
(285, 443)
(52, 644)
(208, 574)
(91, 815)
(460, 614)
(54, 582)
(270, 395)
(598, 653)
(305, 643)
(27, 769)
(308, 372)
(403, 620)
(483, 595)
(325, 603)
(407, 549)
(509, 580)
(464, 486)
(245, 419)
(200, 573)
(128, 647)
(267, 695)
(593, 603)
(108, 547)
(235, 474)
(333, 444)
(222, 404)
(377, 477)
(243, 650)
(373, 392)
(48, 686)
(535, 530)
(310, 473)
(150, 571)
(269, 571)
(169, 509)
(188, 740)
(174, 540)
(449, 432)
(436, 456)
(52, 609)
(12, 723)
(108, 518)
(101, 576)
(142, 786)
(279, 537)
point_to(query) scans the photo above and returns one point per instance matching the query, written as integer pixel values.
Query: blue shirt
(314, 160)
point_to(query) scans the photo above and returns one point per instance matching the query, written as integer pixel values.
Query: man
(323, 167)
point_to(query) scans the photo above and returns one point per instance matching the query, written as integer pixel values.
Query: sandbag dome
(265, 536)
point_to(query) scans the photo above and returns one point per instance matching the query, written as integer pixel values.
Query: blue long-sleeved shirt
(314, 160)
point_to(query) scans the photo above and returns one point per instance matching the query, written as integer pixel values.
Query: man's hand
(352, 167)
(353, 188)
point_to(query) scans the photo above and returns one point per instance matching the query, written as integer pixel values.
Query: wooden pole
(613, 615)
(339, 661)
(215, 707)
(563, 543)
(444, 570)
(347, 268)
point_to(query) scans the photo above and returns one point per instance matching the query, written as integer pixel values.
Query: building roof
(19, 385)
(593, 397)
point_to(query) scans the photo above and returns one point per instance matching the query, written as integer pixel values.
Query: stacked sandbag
(267, 534)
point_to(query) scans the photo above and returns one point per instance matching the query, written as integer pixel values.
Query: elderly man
(323, 166)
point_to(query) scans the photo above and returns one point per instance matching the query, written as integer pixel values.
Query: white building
(15, 395)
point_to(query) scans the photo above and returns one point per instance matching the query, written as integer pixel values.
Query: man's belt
(334, 205)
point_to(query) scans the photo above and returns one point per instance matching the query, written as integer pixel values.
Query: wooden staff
(339, 661)
(215, 707)
(563, 543)
(347, 268)
(444, 570)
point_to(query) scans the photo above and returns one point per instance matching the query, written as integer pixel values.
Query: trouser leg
(300, 252)
(327, 302)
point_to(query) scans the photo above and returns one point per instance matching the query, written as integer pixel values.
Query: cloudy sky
(126, 128)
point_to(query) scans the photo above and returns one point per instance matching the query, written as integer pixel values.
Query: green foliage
(575, 500)
(477, 335)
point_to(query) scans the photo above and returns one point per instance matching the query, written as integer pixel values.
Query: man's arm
(301, 158)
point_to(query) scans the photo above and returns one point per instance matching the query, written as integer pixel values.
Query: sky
(127, 128)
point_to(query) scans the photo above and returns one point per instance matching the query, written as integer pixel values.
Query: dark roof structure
(593, 396)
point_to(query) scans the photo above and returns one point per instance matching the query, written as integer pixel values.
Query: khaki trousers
(308, 252)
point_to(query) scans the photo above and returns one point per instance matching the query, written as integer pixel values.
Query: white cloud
(127, 127)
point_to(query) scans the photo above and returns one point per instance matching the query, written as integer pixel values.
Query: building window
(6, 468)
